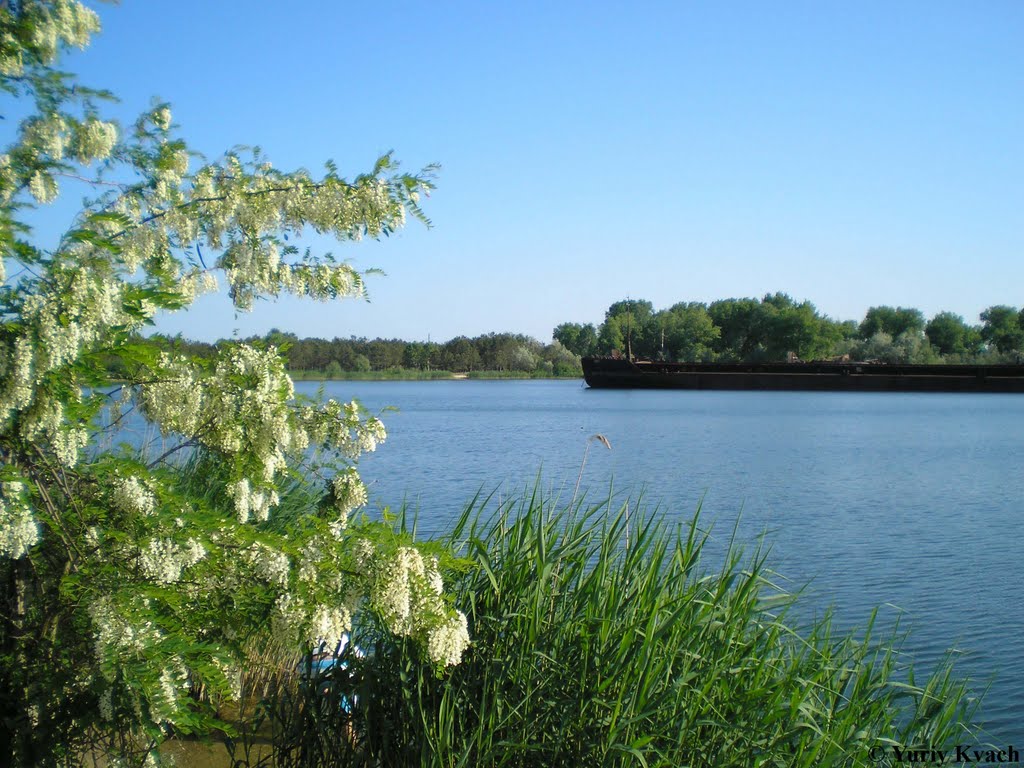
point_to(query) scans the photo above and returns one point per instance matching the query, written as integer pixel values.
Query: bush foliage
(130, 598)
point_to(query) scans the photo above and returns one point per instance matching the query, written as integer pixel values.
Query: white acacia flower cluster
(329, 625)
(73, 316)
(240, 211)
(315, 551)
(75, 310)
(271, 565)
(162, 117)
(195, 283)
(341, 427)
(94, 140)
(116, 634)
(399, 587)
(19, 529)
(245, 407)
(132, 496)
(406, 592)
(45, 419)
(446, 643)
(49, 139)
(19, 380)
(349, 494)
(296, 622)
(62, 22)
(163, 560)
(106, 703)
(256, 269)
(44, 187)
(234, 196)
(165, 701)
(232, 675)
(251, 503)
(58, 136)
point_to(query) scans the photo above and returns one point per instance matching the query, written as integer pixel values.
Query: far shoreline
(416, 375)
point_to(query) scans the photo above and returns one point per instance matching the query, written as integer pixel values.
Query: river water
(910, 502)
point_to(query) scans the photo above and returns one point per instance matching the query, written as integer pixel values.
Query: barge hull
(610, 373)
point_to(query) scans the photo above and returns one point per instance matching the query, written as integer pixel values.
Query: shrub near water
(123, 590)
(587, 651)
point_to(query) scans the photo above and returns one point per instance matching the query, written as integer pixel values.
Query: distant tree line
(741, 330)
(776, 327)
(502, 352)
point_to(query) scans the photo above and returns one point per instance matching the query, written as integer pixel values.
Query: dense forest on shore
(747, 330)
(501, 353)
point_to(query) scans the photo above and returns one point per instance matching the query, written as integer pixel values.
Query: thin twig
(187, 444)
(87, 180)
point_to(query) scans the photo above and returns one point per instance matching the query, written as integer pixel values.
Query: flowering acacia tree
(123, 587)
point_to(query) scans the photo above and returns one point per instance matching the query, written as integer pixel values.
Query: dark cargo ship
(620, 373)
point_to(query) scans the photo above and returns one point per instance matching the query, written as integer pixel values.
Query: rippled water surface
(912, 502)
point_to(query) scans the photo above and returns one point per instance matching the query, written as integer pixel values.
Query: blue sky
(853, 154)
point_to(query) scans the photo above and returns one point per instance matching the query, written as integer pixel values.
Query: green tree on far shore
(687, 332)
(580, 339)
(895, 321)
(950, 335)
(1002, 329)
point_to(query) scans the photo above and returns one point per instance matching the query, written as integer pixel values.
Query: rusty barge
(620, 373)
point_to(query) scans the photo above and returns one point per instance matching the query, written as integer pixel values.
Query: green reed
(602, 636)
(589, 652)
